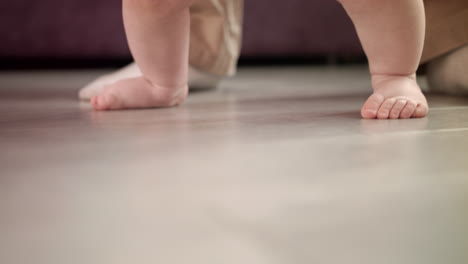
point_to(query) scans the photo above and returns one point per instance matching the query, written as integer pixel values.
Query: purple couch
(93, 29)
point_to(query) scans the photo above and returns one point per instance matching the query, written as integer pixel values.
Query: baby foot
(197, 80)
(395, 97)
(137, 93)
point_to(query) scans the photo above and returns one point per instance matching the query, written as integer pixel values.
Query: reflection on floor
(274, 167)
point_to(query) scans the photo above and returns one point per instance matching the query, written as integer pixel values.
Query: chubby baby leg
(392, 35)
(158, 36)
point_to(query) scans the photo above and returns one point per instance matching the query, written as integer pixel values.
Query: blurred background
(89, 33)
(275, 166)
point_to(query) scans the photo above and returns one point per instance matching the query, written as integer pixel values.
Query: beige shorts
(216, 35)
(216, 32)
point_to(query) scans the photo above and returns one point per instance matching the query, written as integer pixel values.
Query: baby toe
(97, 102)
(421, 111)
(396, 110)
(409, 109)
(385, 108)
(111, 101)
(103, 102)
(371, 106)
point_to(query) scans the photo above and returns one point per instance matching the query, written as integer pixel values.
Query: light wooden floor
(274, 167)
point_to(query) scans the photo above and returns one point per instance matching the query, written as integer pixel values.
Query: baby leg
(392, 35)
(158, 36)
